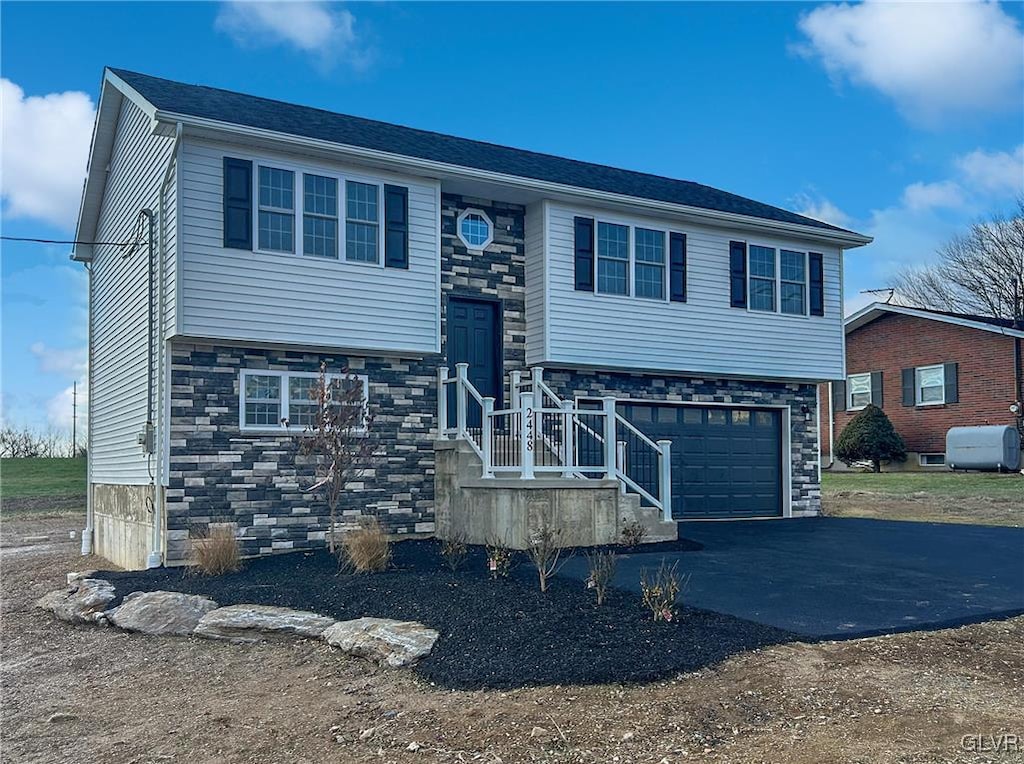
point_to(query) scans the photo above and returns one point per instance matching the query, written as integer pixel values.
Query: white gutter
(435, 168)
(156, 554)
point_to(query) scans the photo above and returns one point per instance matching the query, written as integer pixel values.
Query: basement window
(932, 460)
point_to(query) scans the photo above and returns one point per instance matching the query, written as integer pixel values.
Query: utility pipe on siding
(87, 532)
(156, 554)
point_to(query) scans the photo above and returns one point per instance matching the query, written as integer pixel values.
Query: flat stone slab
(251, 623)
(161, 612)
(382, 640)
(84, 601)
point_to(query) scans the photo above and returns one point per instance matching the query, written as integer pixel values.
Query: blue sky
(900, 121)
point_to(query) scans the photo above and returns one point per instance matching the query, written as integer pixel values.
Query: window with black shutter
(817, 283)
(738, 274)
(584, 254)
(677, 267)
(396, 227)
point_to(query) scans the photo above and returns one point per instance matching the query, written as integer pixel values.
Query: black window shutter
(584, 254)
(677, 266)
(952, 386)
(237, 203)
(876, 388)
(817, 283)
(396, 227)
(738, 274)
(908, 382)
(839, 395)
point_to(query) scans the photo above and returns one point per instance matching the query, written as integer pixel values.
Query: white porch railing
(541, 435)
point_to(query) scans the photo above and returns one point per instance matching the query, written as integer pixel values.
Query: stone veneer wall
(806, 486)
(219, 474)
(497, 272)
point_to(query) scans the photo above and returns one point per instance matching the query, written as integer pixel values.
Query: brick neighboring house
(929, 371)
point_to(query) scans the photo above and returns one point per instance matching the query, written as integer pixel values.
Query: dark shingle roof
(266, 114)
(1005, 323)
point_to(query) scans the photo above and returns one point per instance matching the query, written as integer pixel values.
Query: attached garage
(726, 462)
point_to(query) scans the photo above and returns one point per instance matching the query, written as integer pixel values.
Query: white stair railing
(541, 434)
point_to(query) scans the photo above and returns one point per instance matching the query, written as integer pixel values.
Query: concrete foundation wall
(122, 523)
(588, 513)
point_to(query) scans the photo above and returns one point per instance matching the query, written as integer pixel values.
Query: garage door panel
(725, 462)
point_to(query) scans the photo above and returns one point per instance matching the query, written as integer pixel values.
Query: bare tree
(339, 436)
(26, 443)
(980, 272)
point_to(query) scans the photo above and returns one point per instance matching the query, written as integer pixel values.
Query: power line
(69, 241)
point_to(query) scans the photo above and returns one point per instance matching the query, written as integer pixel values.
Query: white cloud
(820, 208)
(312, 27)
(926, 196)
(60, 409)
(69, 362)
(45, 148)
(932, 59)
(994, 171)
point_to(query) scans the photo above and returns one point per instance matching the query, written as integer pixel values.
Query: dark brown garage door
(726, 462)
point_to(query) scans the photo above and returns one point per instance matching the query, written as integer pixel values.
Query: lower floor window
(282, 400)
(933, 460)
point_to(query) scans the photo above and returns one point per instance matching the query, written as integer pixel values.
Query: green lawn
(971, 485)
(31, 478)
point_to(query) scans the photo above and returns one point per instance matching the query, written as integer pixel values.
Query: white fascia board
(433, 168)
(870, 312)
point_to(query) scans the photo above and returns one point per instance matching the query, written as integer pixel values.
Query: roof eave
(845, 239)
(875, 310)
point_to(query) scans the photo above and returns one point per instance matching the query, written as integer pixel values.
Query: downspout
(87, 532)
(156, 554)
(831, 430)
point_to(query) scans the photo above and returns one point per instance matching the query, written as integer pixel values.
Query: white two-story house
(241, 242)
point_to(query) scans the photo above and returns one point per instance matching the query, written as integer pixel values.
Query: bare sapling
(454, 550)
(660, 590)
(545, 550)
(499, 558)
(602, 571)
(338, 435)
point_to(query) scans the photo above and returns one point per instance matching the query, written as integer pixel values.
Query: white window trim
(284, 393)
(632, 225)
(664, 263)
(296, 226)
(343, 243)
(338, 199)
(917, 385)
(921, 460)
(849, 391)
(490, 225)
(298, 213)
(777, 249)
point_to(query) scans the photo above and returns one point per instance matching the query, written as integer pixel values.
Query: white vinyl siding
(117, 405)
(265, 297)
(535, 280)
(704, 335)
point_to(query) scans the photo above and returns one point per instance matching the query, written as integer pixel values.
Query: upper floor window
(793, 279)
(279, 400)
(762, 278)
(362, 229)
(930, 385)
(320, 216)
(475, 229)
(649, 268)
(612, 258)
(276, 209)
(858, 388)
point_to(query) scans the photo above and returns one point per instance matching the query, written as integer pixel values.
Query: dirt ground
(125, 698)
(975, 510)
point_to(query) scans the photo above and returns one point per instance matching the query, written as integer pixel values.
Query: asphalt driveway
(841, 578)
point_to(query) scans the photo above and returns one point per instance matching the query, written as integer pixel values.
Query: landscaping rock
(251, 623)
(387, 642)
(78, 575)
(82, 602)
(161, 612)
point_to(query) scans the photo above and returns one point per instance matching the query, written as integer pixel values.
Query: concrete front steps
(506, 510)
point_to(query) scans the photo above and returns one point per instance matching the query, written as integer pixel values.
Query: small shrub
(215, 552)
(871, 437)
(499, 558)
(602, 571)
(366, 549)
(659, 591)
(633, 533)
(454, 551)
(545, 551)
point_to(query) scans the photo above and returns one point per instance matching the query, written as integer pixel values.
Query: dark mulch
(494, 633)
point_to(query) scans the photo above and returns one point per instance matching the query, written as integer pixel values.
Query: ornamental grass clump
(366, 548)
(660, 590)
(215, 552)
(602, 571)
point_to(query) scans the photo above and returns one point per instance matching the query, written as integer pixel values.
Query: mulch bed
(494, 633)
